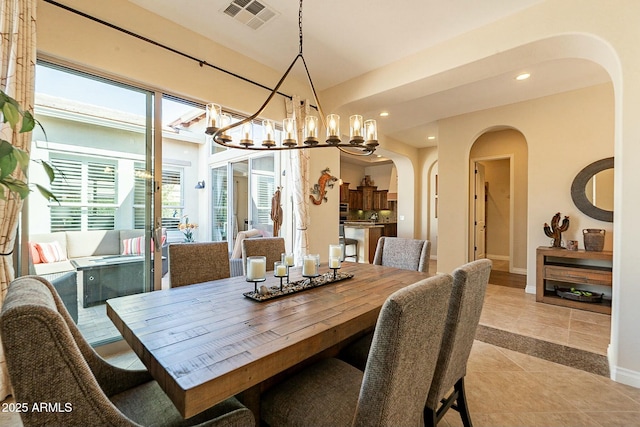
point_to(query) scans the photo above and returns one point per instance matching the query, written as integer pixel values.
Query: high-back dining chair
(467, 297)
(270, 247)
(408, 254)
(392, 389)
(191, 263)
(49, 361)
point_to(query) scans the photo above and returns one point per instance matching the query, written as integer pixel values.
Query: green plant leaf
(11, 114)
(23, 159)
(5, 148)
(48, 169)
(8, 164)
(28, 122)
(46, 193)
(17, 186)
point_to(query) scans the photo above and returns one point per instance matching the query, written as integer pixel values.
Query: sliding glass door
(94, 243)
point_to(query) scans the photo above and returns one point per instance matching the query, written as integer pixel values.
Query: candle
(256, 268)
(335, 251)
(334, 262)
(310, 266)
(288, 260)
(280, 270)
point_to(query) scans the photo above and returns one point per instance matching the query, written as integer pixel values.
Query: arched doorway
(498, 204)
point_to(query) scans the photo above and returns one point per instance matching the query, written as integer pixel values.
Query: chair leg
(430, 417)
(461, 403)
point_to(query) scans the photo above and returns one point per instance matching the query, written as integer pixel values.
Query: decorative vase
(593, 239)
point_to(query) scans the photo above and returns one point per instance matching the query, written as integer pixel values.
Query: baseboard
(522, 271)
(530, 289)
(498, 257)
(623, 375)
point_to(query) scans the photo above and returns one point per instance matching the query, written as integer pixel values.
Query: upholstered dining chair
(191, 263)
(49, 362)
(465, 306)
(408, 254)
(392, 389)
(270, 247)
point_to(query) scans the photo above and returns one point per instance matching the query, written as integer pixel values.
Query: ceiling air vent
(251, 13)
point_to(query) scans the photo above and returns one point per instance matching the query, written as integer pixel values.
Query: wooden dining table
(206, 342)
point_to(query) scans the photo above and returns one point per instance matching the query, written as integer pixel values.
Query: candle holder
(336, 251)
(334, 264)
(310, 266)
(281, 270)
(288, 259)
(256, 270)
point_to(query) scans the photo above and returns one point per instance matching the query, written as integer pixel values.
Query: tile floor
(512, 388)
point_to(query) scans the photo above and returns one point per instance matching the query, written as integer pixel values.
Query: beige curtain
(17, 71)
(299, 183)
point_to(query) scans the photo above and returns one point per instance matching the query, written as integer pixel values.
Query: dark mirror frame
(579, 195)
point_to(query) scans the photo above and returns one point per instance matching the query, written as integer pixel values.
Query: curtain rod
(201, 62)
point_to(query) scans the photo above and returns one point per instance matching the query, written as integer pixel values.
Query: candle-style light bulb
(289, 126)
(247, 134)
(355, 130)
(311, 130)
(333, 129)
(269, 133)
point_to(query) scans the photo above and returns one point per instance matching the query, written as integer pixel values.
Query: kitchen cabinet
(380, 200)
(355, 199)
(390, 229)
(583, 270)
(367, 196)
(344, 193)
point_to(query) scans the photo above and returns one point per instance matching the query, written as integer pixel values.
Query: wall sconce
(200, 185)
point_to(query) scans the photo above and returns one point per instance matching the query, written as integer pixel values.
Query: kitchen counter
(362, 224)
(367, 235)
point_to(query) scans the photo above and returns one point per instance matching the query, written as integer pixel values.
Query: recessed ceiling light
(523, 76)
(431, 137)
(384, 114)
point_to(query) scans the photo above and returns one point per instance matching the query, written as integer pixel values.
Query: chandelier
(363, 134)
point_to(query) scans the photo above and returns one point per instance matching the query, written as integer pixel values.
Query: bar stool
(344, 242)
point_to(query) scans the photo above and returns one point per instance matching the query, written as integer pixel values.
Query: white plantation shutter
(87, 191)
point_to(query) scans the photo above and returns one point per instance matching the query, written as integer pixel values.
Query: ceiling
(345, 39)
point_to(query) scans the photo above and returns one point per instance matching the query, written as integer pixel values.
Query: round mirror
(592, 190)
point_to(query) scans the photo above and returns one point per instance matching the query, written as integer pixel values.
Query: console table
(584, 270)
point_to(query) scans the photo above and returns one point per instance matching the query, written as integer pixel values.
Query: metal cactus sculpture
(556, 229)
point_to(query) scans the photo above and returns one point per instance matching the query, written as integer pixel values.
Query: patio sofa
(105, 259)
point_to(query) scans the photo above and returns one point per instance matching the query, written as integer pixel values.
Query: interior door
(480, 225)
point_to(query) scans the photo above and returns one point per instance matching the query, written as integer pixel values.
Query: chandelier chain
(300, 26)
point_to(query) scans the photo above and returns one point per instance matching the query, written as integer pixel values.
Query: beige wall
(557, 135)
